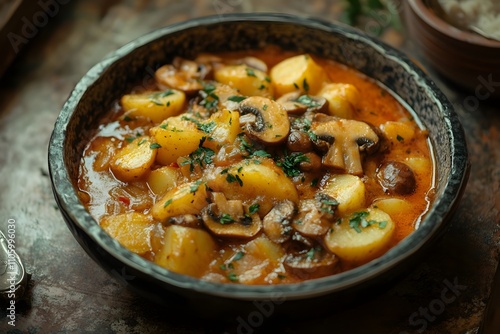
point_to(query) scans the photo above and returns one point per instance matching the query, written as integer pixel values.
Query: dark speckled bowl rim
(440, 212)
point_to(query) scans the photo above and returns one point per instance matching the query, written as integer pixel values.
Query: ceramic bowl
(108, 80)
(466, 58)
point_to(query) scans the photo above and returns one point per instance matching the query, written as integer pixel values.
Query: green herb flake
(130, 139)
(250, 72)
(254, 208)
(314, 182)
(238, 256)
(232, 277)
(295, 85)
(400, 139)
(142, 142)
(127, 118)
(194, 187)
(382, 224)
(280, 276)
(291, 162)
(155, 97)
(167, 203)
(236, 98)
(223, 267)
(264, 107)
(225, 218)
(154, 146)
(305, 85)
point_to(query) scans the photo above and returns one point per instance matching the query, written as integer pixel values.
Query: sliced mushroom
(277, 222)
(296, 103)
(182, 74)
(186, 220)
(396, 178)
(251, 62)
(350, 137)
(316, 262)
(227, 218)
(315, 215)
(264, 119)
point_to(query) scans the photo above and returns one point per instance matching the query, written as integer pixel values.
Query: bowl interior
(103, 84)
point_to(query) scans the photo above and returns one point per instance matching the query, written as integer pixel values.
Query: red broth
(258, 167)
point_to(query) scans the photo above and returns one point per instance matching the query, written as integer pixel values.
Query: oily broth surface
(105, 195)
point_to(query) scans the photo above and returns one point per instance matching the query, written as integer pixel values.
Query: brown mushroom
(299, 141)
(182, 74)
(396, 178)
(315, 262)
(277, 222)
(227, 218)
(350, 137)
(315, 215)
(264, 119)
(296, 103)
(313, 162)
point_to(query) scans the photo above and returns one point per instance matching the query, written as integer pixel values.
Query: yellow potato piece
(132, 230)
(355, 243)
(226, 127)
(297, 73)
(163, 179)
(188, 198)
(342, 99)
(177, 137)
(154, 105)
(348, 190)
(134, 159)
(186, 250)
(420, 165)
(247, 80)
(398, 131)
(265, 182)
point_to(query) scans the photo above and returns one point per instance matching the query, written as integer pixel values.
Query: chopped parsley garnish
(141, 142)
(238, 256)
(154, 146)
(314, 182)
(305, 85)
(205, 127)
(236, 98)
(155, 97)
(211, 99)
(250, 72)
(307, 101)
(399, 138)
(253, 208)
(194, 187)
(225, 218)
(234, 178)
(261, 153)
(167, 203)
(232, 277)
(127, 118)
(290, 163)
(202, 156)
(304, 125)
(328, 204)
(358, 221)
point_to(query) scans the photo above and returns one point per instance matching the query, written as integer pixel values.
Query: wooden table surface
(69, 293)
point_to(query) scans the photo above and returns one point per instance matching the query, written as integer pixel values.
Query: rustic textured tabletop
(69, 293)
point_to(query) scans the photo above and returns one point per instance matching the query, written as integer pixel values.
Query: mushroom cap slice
(183, 75)
(223, 225)
(264, 119)
(297, 103)
(277, 222)
(315, 215)
(316, 261)
(350, 137)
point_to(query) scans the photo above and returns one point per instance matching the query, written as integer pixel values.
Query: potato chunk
(186, 250)
(297, 73)
(342, 99)
(247, 80)
(132, 230)
(398, 132)
(348, 190)
(188, 198)
(264, 182)
(154, 105)
(361, 236)
(163, 179)
(134, 159)
(177, 137)
(224, 127)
